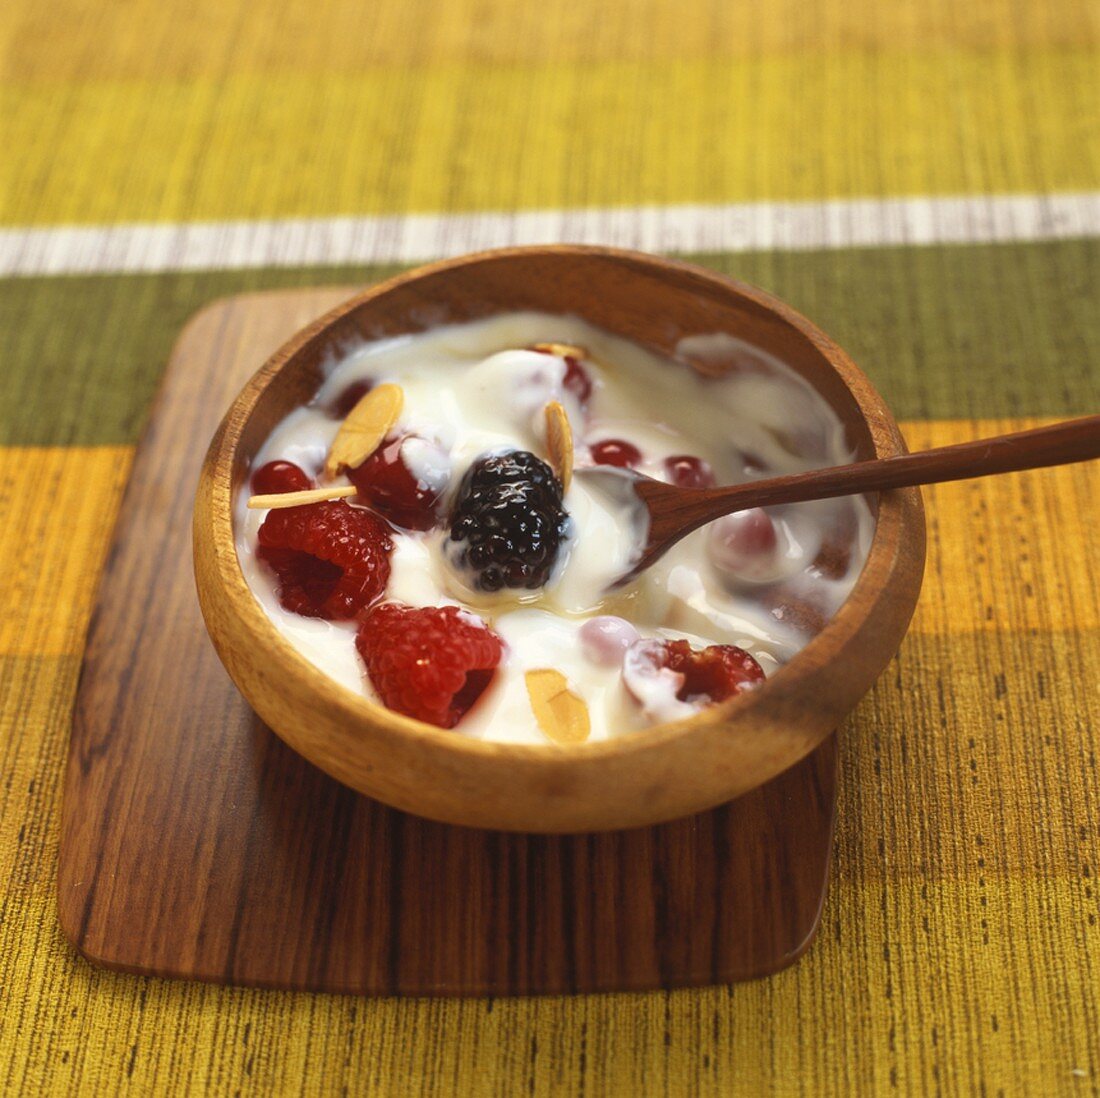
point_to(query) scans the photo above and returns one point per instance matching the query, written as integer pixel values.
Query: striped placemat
(923, 180)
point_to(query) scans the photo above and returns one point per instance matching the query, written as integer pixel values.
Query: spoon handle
(675, 512)
(1055, 444)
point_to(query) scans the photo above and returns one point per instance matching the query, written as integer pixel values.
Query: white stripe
(755, 226)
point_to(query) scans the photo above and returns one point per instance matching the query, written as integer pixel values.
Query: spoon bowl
(638, 778)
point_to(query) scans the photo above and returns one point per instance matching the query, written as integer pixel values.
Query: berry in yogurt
(348, 398)
(577, 379)
(392, 481)
(606, 638)
(670, 679)
(440, 529)
(279, 476)
(427, 662)
(331, 560)
(689, 471)
(508, 523)
(745, 546)
(617, 452)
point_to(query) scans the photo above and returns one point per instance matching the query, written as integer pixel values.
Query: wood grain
(660, 773)
(196, 844)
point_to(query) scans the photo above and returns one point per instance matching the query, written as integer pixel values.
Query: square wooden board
(195, 844)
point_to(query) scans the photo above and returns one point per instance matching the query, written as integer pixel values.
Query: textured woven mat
(960, 947)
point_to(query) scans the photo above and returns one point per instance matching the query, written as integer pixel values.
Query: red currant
(752, 464)
(688, 471)
(277, 477)
(348, 398)
(577, 380)
(616, 451)
(746, 545)
(387, 484)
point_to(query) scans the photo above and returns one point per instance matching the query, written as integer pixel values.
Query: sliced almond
(562, 715)
(562, 350)
(300, 499)
(559, 442)
(570, 350)
(365, 427)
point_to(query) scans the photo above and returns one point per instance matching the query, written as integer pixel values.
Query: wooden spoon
(675, 512)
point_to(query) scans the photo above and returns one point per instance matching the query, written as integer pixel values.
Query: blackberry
(508, 521)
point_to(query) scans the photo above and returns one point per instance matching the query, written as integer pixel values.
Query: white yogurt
(469, 390)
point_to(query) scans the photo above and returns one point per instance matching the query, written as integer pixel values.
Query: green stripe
(82, 355)
(953, 331)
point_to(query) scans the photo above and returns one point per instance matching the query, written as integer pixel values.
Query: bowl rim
(839, 630)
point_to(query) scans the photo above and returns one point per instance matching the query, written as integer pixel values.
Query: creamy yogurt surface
(473, 389)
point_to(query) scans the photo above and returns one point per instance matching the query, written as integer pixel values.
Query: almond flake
(562, 350)
(366, 426)
(562, 715)
(300, 499)
(559, 442)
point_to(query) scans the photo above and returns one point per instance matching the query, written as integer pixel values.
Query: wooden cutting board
(195, 844)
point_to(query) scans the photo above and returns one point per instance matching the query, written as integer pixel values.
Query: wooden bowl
(643, 777)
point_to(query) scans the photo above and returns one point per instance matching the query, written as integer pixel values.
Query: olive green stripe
(81, 356)
(945, 331)
(954, 331)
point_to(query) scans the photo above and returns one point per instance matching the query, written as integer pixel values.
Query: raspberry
(708, 675)
(616, 451)
(348, 397)
(714, 674)
(509, 521)
(331, 559)
(688, 471)
(431, 663)
(277, 477)
(385, 482)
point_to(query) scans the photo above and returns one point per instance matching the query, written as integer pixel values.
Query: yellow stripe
(1012, 552)
(57, 511)
(149, 38)
(550, 134)
(212, 37)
